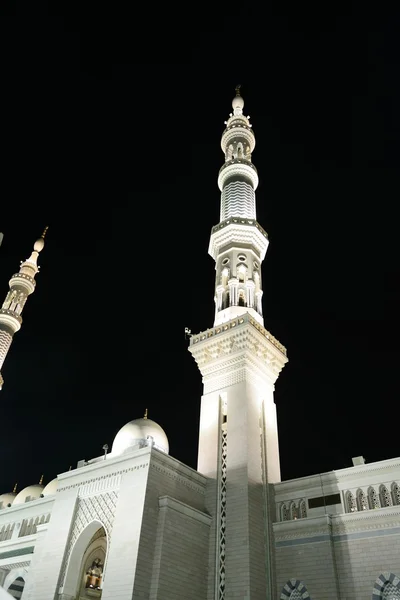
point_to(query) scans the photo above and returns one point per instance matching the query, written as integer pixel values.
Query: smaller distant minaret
(21, 284)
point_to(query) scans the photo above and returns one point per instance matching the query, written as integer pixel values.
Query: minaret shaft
(240, 362)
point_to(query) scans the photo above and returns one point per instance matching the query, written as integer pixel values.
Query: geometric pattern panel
(222, 517)
(390, 592)
(387, 587)
(296, 595)
(95, 508)
(294, 590)
(5, 343)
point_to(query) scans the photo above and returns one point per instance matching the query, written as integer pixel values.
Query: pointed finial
(41, 480)
(70, 468)
(15, 488)
(39, 244)
(145, 414)
(237, 89)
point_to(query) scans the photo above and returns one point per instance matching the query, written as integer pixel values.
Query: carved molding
(16, 565)
(110, 481)
(239, 343)
(238, 231)
(371, 520)
(176, 477)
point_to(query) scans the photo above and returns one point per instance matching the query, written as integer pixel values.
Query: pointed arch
(395, 494)
(293, 511)
(385, 497)
(386, 587)
(78, 550)
(284, 512)
(351, 502)
(361, 500)
(294, 589)
(302, 509)
(373, 498)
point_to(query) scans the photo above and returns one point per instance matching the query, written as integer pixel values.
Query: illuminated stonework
(238, 288)
(22, 284)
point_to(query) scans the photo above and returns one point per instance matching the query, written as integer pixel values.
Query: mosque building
(136, 523)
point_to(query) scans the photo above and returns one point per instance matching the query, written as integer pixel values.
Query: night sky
(110, 135)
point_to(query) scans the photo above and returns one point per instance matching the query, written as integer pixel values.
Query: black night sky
(110, 135)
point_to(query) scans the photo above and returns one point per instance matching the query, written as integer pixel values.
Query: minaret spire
(22, 284)
(238, 243)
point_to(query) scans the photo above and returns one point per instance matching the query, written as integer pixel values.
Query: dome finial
(15, 488)
(145, 414)
(41, 480)
(238, 102)
(39, 244)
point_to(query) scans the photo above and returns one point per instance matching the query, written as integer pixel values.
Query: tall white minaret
(238, 243)
(22, 284)
(239, 361)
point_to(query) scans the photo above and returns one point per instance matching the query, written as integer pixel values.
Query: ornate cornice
(241, 343)
(235, 230)
(100, 483)
(368, 520)
(339, 479)
(338, 525)
(16, 565)
(189, 483)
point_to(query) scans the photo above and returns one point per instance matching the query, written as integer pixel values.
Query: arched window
(294, 590)
(302, 509)
(351, 502)
(284, 513)
(385, 497)
(293, 511)
(241, 299)
(386, 587)
(16, 588)
(395, 493)
(361, 500)
(373, 499)
(241, 273)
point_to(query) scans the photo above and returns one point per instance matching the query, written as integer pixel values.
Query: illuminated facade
(136, 523)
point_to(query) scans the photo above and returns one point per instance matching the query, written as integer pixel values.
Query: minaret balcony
(246, 232)
(11, 319)
(23, 280)
(238, 132)
(238, 168)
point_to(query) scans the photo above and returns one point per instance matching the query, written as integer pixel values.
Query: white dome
(6, 499)
(135, 434)
(32, 491)
(50, 488)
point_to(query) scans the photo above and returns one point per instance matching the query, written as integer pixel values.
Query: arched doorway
(16, 588)
(387, 587)
(84, 575)
(294, 589)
